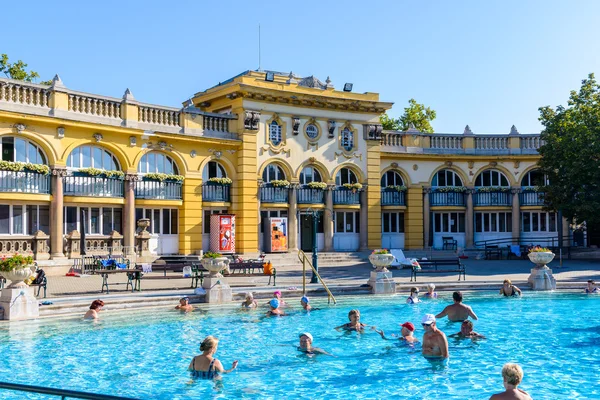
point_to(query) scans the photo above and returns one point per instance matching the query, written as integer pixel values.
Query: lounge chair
(400, 261)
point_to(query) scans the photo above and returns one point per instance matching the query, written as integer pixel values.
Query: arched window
(92, 157)
(273, 172)
(391, 178)
(534, 178)
(310, 174)
(21, 150)
(275, 133)
(155, 162)
(345, 175)
(213, 170)
(347, 139)
(446, 177)
(491, 177)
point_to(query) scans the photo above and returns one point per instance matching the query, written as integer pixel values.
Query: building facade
(259, 145)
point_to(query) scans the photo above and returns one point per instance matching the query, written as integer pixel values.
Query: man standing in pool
(466, 331)
(458, 311)
(435, 344)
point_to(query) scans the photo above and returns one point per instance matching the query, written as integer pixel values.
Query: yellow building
(291, 147)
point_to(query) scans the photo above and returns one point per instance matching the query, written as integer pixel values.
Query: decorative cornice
(348, 156)
(133, 177)
(274, 151)
(60, 172)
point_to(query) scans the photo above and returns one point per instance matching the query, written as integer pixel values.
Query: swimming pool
(555, 337)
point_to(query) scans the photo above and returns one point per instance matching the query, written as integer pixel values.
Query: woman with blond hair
(509, 290)
(512, 375)
(354, 324)
(205, 366)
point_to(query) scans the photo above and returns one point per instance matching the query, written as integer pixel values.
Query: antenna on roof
(259, 47)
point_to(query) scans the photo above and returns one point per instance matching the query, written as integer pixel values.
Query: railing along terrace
(215, 192)
(390, 197)
(446, 142)
(446, 199)
(391, 139)
(531, 142)
(345, 196)
(24, 182)
(531, 198)
(489, 142)
(274, 194)
(16, 245)
(148, 189)
(29, 94)
(214, 123)
(95, 105)
(159, 115)
(310, 196)
(92, 186)
(492, 198)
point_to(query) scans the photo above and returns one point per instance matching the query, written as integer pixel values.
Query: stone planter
(541, 277)
(381, 261)
(540, 259)
(17, 276)
(215, 266)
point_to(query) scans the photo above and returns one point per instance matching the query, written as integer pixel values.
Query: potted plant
(317, 185)
(395, 188)
(17, 166)
(381, 259)
(220, 181)
(101, 173)
(488, 189)
(154, 176)
(540, 256)
(16, 269)
(451, 189)
(215, 263)
(279, 183)
(352, 186)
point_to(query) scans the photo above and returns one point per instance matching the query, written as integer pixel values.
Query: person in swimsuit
(277, 295)
(508, 289)
(184, 305)
(406, 334)
(354, 324)
(95, 308)
(414, 296)
(592, 288)
(249, 302)
(435, 344)
(466, 331)
(305, 346)
(512, 375)
(431, 294)
(205, 366)
(275, 311)
(457, 312)
(304, 303)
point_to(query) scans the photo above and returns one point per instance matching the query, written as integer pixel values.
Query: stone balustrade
(491, 143)
(159, 115)
(446, 142)
(95, 105)
(32, 245)
(25, 93)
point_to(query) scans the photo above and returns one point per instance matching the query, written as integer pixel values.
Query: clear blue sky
(489, 64)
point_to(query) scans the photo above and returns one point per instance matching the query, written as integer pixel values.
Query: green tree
(17, 70)
(570, 157)
(415, 115)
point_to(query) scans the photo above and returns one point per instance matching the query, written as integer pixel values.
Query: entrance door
(306, 232)
(164, 229)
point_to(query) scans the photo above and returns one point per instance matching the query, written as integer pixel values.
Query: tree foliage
(570, 157)
(415, 116)
(17, 70)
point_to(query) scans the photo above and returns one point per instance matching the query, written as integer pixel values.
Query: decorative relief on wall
(415, 167)
(251, 120)
(295, 125)
(331, 128)
(98, 137)
(448, 163)
(373, 131)
(493, 164)
(348, 156)
(471, 164)
(394, 165)
(162, 145)
(274, 151)
(19, 127)
(517, 164)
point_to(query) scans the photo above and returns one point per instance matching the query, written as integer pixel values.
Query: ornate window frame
(312, 141)
(348, 126)
(283, 125)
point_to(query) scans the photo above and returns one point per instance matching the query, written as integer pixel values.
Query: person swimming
(592, 288)
(354, 324)
(205, 366)
(306, 346)
(184, 305)
(458, 311)
(277, 295)
(249, 302)
(414, 296)
(275, 311)
(431, 293)
(304, 302)
(95, 308)
(406, 333)
(509, 290)
(466, 332)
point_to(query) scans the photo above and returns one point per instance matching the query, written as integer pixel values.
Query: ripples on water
(555, 338)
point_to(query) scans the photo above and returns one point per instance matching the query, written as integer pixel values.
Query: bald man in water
(458, 311)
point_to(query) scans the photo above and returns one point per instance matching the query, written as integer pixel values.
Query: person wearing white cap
(435, 344)
(249, 302)
(305, 346)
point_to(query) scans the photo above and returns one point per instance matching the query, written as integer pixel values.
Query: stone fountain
(17, 300)
(381, 281)
(541, 276)
(216, 286)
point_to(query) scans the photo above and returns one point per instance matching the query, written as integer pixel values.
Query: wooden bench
(33, 285)
(195, 276)
(248, 268)
(449, 243)
(445, 262)
(493, 251)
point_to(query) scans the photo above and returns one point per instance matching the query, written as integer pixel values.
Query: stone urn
(381, 261)
(541, 277)
(17, 276)
(143, 223)
(215, 265)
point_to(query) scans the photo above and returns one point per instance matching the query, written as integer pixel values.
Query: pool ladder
(305, 260)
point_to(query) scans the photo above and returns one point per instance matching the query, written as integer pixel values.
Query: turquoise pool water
(555, 338)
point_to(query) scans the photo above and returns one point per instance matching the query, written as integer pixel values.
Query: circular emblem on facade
(415, 167)
(311, 131)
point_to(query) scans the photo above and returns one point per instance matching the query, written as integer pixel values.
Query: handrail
(60, 392)
(303, 259)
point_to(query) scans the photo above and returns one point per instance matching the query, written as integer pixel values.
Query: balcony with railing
(530, 198)
(92, 186)
(391, 197)
(274, 194)
(311, 196)
(152, 189)
(24, 182)
(496, 198)
(215, 192)
(447, 199)
(342, 196)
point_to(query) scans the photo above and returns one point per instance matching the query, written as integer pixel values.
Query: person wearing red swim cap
(407, 333)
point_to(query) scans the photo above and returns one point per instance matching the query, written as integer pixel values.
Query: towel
(515, 249)
(146, 268)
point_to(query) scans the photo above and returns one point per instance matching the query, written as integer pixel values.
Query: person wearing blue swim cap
(304, 302)
(274, 311)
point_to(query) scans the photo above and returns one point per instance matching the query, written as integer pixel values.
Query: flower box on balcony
(99, 173)
(17, 166)
(163, 177)
(219, 181)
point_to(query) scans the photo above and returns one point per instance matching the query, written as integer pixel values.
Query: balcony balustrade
(24, 182)
(311, 196)
(392, 198)
(447, 199)
(274, 194)
(165, 190)
(492, 199)
(215, 192)
(345, 196)
(92, 186)
(531, 198)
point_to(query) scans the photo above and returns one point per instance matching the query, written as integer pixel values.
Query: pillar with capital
(129, 213)
(516, 215)
(426, 217)
(364, 221)
(469, 239)
(56, 213)
(293, 218)
(328, 219)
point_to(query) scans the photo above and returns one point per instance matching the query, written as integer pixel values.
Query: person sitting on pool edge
(466, 331)
(431, 294)
(304, 303)
(435, 344)
(592, 288)
(458, 311)
(406, 333)
(306, 346)
(512, 375)
(354, 324)
(184, 305)
(205, 366)
(274, 311)
(95, 308)
(508, 289)
(249, 302)
(277, 295)
(413, 298)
